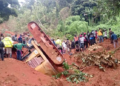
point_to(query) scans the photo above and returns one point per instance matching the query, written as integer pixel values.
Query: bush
(73, 25)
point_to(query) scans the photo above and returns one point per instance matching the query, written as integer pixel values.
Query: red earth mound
(17, 73)
(111, 77)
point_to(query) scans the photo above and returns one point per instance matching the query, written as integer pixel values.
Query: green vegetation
(64, 18)
(6, 11)
(73, 74)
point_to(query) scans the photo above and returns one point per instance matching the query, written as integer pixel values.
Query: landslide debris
(100, 59)
(94, 47)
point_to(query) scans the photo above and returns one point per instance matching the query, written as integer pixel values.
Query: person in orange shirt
(76, 40)
(100, 35)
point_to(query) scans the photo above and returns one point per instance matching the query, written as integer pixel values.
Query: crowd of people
(81, 42)
(10, 42)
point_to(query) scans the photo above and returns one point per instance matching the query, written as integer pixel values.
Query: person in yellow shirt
(100, 35)
(59, 44)
(8, 45)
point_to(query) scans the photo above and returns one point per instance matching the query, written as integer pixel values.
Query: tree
(7, 8)
(108, 8)
(79, 6)
(84, 8)
(29, 4)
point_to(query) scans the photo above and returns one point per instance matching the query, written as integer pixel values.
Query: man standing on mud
(100, 35)
(19, 49)
(59, 44)
(114, 39)
(1, 50)
(110, 33)
(8, 45)
(76, 41)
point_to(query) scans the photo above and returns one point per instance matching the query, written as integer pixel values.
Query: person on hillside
(110, 33)
(68, 46)
(19, 50)
(88, 37)
(114, 39)
(20, 39)
(93, 32)
(53, 41)
(30, 46)
(59, 44)
(1, 50)
(91, 38)
(26, 39)
(23, 39)
(14, 37)
(105, 34)
(76, 41)
(88, 34)
(94, 40)
(64, 47)
(100, 35)
(8, 45)
(1, 36)
(85, 41)
(79, 46)
(96, 36)
(72, 47)
(81, 39)
(72, 44)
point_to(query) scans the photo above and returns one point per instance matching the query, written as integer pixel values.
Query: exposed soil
(18, 73)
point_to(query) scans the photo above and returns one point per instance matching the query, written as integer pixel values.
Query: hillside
(65, 18)
(17, 73)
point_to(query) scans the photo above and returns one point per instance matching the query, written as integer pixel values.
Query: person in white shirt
(64, 47)
(81, 39)
(105, 34)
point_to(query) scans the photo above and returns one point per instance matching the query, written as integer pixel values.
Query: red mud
(17, 73)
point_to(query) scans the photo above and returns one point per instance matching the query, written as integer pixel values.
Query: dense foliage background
(62, 18)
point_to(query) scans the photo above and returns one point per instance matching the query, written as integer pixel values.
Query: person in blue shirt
(20, 39)
(53, 41)
(114, 39)
(91, 38)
